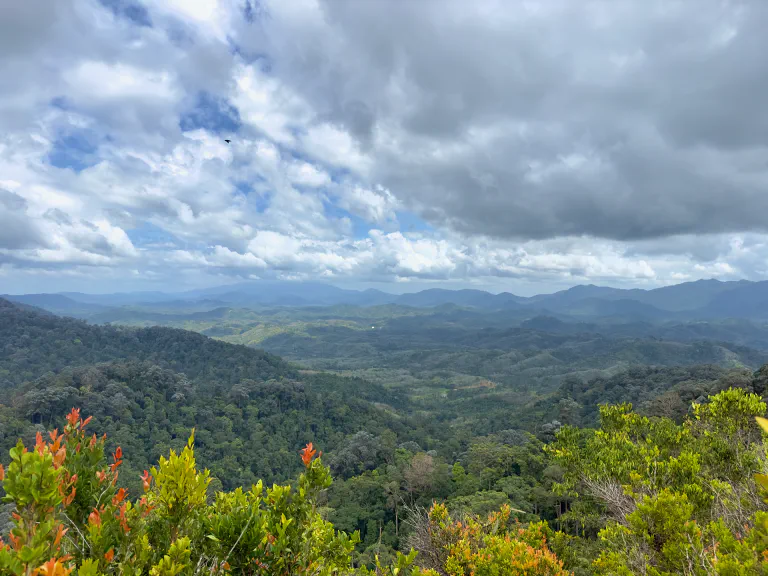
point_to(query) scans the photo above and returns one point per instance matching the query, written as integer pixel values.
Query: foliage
(66, 520)
(483, 547)
(681, 498)
(71, 518)
(149, 410)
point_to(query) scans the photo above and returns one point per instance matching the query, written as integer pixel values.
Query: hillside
(150, 410)
(438, 357)
(147, 387)
(33, 344)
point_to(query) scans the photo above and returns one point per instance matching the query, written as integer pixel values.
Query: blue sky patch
(260, 202)
(253, 10)
(256, 192)
(147, 234)
(76, 149)
(409, 222)
(360, 227)
(133, 11)
(61, 103)
(211, 113)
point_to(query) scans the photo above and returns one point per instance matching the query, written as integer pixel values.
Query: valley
(443, 398)
(434, 347)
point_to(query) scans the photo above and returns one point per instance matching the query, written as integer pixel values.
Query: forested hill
(148, 387)
(33, 343)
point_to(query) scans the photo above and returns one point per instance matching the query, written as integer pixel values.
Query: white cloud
(224, 257)
(267, 105)
(420, 257)
(200, 10)
(376, 206)
(335, 147)
(527, 169)
(274, 247)
(306, 174)
(99, 81)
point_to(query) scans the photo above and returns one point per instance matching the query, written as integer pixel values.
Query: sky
(514, 145)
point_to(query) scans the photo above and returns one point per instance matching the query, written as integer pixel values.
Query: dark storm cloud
(618, 119)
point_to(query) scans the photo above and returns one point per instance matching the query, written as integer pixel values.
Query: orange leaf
(16, 541)
(146, 479)
(307, 453)
(119, 497)
(54, 567)
(73, 417)
(55, 440)
(123, 519)
(59, 535)
(94, 518)
(68, 500)
(59, 456)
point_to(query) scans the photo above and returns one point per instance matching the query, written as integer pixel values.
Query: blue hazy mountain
(704, 299)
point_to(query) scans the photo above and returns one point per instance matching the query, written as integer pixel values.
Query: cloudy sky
(509, 145)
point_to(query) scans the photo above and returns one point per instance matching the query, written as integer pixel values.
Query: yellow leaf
(763, 423)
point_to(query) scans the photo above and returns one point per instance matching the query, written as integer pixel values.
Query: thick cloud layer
(494, 142)
(622, 120)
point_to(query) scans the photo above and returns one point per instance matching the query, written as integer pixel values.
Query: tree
(418, 474)
(681, 498)
(482, 546)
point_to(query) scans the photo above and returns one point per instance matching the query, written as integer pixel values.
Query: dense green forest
(442, 444)
(34, 343)
(488, 371)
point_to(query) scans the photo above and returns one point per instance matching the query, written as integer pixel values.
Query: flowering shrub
(485, 547)
(72, 518)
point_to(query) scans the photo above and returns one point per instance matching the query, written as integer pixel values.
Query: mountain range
(703, 299)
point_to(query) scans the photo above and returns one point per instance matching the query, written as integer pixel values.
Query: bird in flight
(227, 141)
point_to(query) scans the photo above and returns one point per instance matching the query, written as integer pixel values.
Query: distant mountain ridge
(703, 299)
